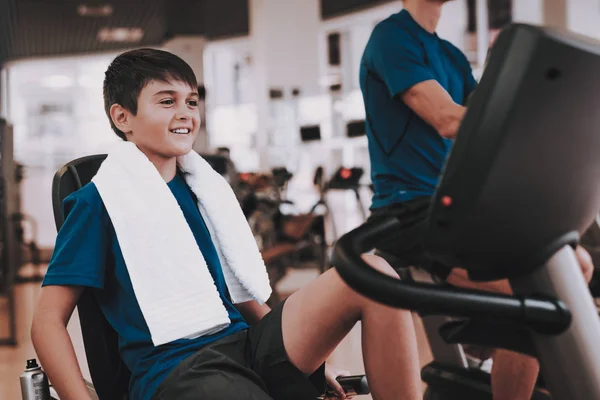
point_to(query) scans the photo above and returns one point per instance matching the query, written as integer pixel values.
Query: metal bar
(444, 353)
(7, 236)
(3, 91)
(11, 245)
(483, 31)
(359, 204)
(569, 362)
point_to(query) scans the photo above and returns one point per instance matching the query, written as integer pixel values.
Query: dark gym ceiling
(34, 28)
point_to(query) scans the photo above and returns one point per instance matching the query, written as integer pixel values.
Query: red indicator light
(446, 201)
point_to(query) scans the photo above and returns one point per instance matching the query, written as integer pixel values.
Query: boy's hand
(331, 373)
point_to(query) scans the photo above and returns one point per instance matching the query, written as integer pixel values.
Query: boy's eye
(193, 103)
(167, 102)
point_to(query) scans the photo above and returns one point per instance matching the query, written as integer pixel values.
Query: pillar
(556, 13)
(285, 41)
(4, 92)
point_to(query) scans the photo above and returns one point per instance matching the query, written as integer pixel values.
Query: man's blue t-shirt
(407, 154)
(87, 254)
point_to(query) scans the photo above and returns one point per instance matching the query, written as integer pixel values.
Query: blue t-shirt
(87, 254)
(407, 154)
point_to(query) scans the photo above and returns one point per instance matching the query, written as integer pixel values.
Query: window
(333, 49)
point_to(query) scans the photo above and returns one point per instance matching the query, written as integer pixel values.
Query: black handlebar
(544, 315)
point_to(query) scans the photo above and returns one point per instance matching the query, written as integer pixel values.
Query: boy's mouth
(181, 131)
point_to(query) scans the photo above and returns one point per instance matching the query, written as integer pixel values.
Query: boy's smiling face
(167, 119)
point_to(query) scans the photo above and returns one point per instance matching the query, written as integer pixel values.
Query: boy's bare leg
(318, 316)
(513, 374)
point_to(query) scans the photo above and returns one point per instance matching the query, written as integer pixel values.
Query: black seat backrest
(109, 374)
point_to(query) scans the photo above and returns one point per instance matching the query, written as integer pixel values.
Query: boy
(151, 100)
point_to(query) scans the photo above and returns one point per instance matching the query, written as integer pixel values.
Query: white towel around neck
(170, 278)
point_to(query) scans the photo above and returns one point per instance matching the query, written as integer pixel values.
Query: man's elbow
(447, 131)
(448, 122)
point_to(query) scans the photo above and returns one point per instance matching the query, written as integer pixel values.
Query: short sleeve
(81, 245)
(397, 58)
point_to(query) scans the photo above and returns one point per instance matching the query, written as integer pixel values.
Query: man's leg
(318, 316)
(513, 374)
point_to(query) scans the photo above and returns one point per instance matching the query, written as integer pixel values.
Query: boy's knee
(352, 298)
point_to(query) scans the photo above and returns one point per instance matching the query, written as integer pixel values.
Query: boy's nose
(183, 115)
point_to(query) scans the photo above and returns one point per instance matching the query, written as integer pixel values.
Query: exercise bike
(518, 192)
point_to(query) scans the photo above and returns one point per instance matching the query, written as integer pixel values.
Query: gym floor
(12, 359)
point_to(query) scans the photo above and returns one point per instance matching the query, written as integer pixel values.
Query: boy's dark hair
(130, 72)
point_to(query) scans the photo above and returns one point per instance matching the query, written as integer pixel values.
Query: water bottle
(34, 382)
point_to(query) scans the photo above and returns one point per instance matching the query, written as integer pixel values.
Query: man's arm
(252, 311)
(53, 344)
(396, 58)
(430, 101)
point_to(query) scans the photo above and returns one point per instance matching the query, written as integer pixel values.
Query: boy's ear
(120, 117)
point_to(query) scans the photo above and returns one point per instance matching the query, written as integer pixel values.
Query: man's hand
(331, 373)
(585, 262)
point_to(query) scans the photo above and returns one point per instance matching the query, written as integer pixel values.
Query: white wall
(57, 110)
(220, 59)
(231, 103)
(528, 11)
(583, 17)
(453, 23)
(191, 50)
(357, 27)
(4, 93)
(286, 42)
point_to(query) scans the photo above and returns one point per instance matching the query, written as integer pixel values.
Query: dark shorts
(249, 365)
(405, 248)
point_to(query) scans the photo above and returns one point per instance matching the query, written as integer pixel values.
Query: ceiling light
(121, 35)
(57, 81)
(95, 11)
(88, 81)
